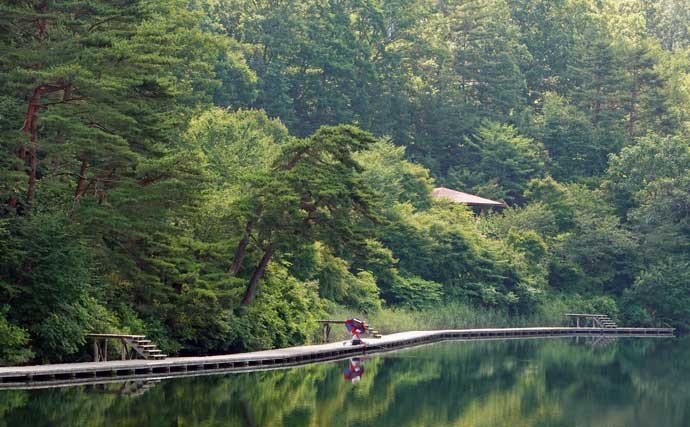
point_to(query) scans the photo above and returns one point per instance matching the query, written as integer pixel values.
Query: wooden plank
(115, 336)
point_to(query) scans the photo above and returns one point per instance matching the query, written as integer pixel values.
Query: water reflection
(125, 388)
(527, 383)
(355, 370)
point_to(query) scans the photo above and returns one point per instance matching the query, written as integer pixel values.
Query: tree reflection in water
(558, 382)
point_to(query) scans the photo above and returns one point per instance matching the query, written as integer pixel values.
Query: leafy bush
(415, 293)
(662, 293)
(13, 342)
(51, 279)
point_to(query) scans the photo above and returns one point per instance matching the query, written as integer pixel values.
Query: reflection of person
(355, 327)
(354, 372)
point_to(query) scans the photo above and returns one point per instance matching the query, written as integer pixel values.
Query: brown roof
(464, 198)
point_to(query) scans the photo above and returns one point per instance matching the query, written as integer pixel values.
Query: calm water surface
(546, 382)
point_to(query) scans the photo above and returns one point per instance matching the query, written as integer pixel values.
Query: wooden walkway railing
(132, 346)
(595, 320)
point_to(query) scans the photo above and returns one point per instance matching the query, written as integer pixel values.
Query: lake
(560, 382)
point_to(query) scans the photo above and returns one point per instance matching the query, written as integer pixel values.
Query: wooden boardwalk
(40, 376)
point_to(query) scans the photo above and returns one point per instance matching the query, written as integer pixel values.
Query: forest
(218, 174)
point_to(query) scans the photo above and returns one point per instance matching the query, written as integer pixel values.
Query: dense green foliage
(217, 174)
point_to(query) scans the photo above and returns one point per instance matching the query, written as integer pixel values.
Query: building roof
(464, 198)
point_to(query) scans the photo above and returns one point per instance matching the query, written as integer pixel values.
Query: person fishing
(354, 371)
(355, 327)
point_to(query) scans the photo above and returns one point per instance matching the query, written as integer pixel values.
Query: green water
(545, 382)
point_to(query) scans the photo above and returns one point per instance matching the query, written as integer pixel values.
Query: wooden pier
(41, 376)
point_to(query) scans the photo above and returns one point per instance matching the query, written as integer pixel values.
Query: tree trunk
(241, 250)
(597, 106)
(633, 106)
(258, 274)
(31, 128)
(41, 23)
(299, 155)
(33, 168)
(81, 181)
(631, 122)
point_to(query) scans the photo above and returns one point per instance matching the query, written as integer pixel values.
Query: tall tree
(488, 56)
(551, 31)
(498, 162)
(668, 21)
(644, 102)
(95, 83)
(313, 193)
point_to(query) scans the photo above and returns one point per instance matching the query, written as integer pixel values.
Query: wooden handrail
(116, 336)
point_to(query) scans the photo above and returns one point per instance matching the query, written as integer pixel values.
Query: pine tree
(643, 100)
(598, 92)
(488, 56)
(100, 85)
(312, 194)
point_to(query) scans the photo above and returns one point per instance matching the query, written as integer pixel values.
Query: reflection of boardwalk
(137, 388)
(76, 373)
(127, 388)
(599, 341)
(602, 341)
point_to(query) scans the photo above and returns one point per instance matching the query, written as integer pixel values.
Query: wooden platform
(41, 376)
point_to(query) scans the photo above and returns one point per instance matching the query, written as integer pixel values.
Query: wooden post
(95, 349)
(577, 322)
(326, 331)
(124, 349)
